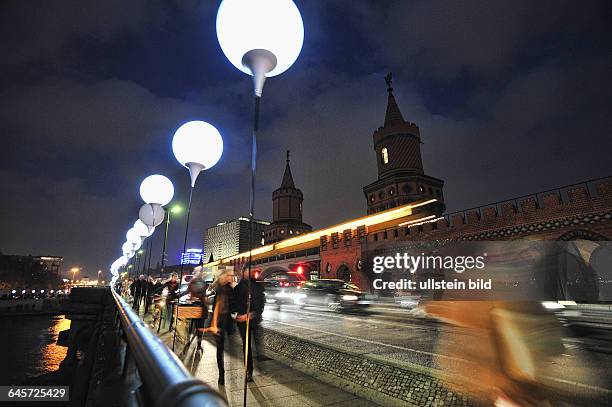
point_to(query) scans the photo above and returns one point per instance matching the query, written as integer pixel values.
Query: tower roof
(393, 115)
(287, 177)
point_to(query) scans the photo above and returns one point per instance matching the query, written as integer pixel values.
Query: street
(395, 334)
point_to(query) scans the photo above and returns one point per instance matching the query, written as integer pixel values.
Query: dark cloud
(511, 98)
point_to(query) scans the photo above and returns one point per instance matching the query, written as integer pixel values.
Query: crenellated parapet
(547, 215)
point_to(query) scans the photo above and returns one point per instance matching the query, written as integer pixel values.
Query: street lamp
(198, 146)
(261, 38)
(74, 271)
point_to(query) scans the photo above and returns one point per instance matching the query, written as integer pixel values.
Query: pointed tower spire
(393, 115)
(286, 210)
(287, 178)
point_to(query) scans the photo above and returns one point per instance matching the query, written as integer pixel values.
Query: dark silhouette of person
(240, 305)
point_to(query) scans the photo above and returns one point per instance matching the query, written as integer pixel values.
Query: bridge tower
(401, 179)
(286, 210)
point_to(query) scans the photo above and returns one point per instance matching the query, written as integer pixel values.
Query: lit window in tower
(385, 155)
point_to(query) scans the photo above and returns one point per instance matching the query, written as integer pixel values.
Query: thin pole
(150, 253)
(250, 245)
(144, 261)
(182, 266)
(138, 256)
(163, 257)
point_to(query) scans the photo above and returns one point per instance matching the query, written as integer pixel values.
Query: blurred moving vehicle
(279, 292)
(408, 301)
(336, 295)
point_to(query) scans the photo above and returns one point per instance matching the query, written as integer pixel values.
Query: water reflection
(52, 355)
(28, 346)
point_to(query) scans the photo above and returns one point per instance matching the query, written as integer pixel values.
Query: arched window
(384, 154)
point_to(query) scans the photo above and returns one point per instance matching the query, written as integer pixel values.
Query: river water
(28, 346)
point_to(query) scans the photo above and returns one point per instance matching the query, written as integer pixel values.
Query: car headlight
(349, 298)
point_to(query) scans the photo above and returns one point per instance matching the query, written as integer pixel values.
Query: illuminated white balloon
(157, 189)
(132, 236)
(272, 25)
(151, 214)
(141, 228)
(198, 146)
(126, 248)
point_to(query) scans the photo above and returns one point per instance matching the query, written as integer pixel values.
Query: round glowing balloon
(157, 189)
(151, 214)
(126, 248)
(132, 236)
(198, 143)
(272, 25)
(141, 228)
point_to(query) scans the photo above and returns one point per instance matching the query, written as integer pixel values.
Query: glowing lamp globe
(141, 228)
(157, 189)
(151, 214)
(272, 26)
(198, 146)
(132, 236)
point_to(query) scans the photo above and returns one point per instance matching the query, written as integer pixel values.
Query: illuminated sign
(191, 256)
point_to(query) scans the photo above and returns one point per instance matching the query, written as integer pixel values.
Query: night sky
(511, 97)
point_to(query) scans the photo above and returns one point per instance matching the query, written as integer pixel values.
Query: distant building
(286, 210)
(191, 256)
(54, 264)
(232, 237)
(30, 271)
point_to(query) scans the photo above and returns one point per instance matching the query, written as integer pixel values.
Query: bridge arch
(586, 263)
(344, 273)
(272, 271)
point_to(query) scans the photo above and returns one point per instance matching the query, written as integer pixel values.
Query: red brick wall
(552, 219)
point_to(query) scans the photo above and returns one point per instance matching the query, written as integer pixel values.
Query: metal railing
(165, 381)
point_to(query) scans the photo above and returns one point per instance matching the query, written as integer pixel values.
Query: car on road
(278, 292)
(336, 295)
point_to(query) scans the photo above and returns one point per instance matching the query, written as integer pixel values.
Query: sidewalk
(274, 384)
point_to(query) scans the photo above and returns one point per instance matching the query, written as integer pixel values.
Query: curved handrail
(166, 381)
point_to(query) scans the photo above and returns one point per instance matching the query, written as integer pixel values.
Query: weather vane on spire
(389, 79)
(288, 156)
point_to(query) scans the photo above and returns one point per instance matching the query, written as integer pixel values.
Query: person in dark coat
(132, 287)
(149, 292)
(172, 286)
(139, 291)
(197, 290)
(240, 305)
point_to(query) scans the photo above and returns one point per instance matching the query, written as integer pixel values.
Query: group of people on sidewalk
(143, 290)
(232, 308)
